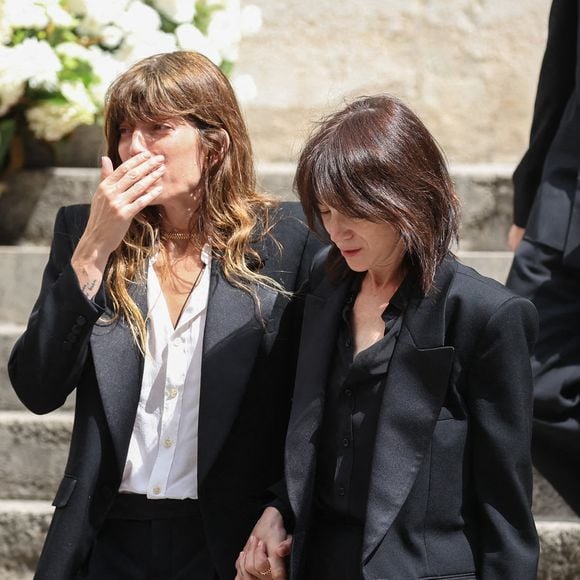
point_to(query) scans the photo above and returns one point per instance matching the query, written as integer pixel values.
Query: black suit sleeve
(500, 405)
(48, 359)
(555, 87)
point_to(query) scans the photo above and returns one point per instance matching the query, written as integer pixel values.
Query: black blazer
(246, 389)
(451, 481)
(546, 199)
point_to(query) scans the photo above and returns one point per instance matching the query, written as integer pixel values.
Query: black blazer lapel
(414, 392)
(119, 371)
(322, 313)
(233, 333)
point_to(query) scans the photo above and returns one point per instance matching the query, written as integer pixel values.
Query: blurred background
(468, 67)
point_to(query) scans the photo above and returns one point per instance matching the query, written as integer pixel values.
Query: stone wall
(468, 67)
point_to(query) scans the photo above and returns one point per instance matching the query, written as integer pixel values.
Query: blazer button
(81, 320)
(71, 337)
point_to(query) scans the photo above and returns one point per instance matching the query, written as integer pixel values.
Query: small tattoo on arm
(88, 287)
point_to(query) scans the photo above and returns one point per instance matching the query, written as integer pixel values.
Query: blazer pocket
(64, 492)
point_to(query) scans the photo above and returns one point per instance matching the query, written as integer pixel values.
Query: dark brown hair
(231, 213)
(377, 161)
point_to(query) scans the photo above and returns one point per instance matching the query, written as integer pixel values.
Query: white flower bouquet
(57, 57)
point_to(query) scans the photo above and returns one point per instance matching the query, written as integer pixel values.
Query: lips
(349, 253)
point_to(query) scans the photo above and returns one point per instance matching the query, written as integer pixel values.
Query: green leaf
(227, 67)
(7, 128)
(204, 14)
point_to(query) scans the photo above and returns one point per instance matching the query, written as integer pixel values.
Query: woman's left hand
(266, 549)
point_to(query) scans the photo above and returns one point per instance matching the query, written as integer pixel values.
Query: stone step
(33, 453)
(21, 268)
(23, 526)
(485, 190)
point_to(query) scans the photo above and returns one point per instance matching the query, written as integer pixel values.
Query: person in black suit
(408, 448)
(546, 239)
(165, 307)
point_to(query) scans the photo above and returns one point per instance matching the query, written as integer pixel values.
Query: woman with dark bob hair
(164, 307)
(408, 449)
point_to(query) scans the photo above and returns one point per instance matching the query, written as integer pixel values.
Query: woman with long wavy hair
(164, 305)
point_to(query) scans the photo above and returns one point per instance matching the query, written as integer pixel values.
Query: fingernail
(159, 158)
(146, 154)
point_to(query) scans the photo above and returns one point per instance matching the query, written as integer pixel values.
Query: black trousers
(145, 539)
(537, 273)
(333, 550)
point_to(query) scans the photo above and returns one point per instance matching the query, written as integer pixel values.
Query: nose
(138, 142)
(337, 227)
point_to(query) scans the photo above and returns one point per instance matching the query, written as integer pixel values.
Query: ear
(225, 143)
(220, 143)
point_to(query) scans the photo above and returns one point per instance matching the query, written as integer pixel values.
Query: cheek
(123, 151)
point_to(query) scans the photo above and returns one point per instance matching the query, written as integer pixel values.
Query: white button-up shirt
(162, 457)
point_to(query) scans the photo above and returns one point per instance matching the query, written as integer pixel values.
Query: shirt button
(168, 443)
(347, 392)
(341, 491)
(347, 343)
(156, 490)
(172, 393)
(346, 442)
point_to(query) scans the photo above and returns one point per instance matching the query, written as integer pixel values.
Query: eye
(160, 127)
(124, 130)
(323, 210)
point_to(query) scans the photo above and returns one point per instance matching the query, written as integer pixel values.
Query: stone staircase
(33, 449)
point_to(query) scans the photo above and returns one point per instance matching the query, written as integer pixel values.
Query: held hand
(120, 196)
(266, 549)
(515, 236)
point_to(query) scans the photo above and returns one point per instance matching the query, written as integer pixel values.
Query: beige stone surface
(468, 67)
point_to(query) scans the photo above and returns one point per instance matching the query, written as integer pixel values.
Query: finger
(250, 555)
(142, 186)
(239, 567)
(284, 547)
(132, 169)
(261, 562)
(106, 167)
(144, 200)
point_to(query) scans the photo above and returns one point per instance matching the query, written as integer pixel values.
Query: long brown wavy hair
(231, 213)
(376, 160)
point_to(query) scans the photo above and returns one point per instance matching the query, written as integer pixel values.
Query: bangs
(330, 175)
(147, 99)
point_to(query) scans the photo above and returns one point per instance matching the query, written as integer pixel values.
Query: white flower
(12, 84)
(111, 36)
(24, 14)
(136, 47)
(76, 93)
(57, 15)
(244, 87)
(107, 68)
(251, 20)
(37, 63)
(97, 14)
(224, 33)
(178, 11)
(139, 20)
(103, 11)
(191, 38)
(52, 121)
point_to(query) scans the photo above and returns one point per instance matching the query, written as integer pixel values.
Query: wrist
(89, 269)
